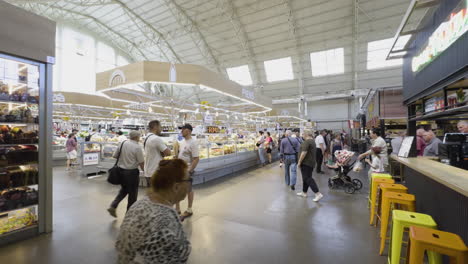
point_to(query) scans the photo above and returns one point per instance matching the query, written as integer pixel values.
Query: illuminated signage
(444, 36)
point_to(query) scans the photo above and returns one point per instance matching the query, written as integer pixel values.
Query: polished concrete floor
(249, 218)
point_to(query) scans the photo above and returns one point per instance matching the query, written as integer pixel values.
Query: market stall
(435, 74)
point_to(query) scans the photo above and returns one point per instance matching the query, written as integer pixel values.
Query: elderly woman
(151, 231)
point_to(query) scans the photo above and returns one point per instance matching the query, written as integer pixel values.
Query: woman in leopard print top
(151, 231)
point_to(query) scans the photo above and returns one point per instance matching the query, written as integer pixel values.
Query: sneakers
(318, 196)
(302, 194)
(112, 212)
(293, 188)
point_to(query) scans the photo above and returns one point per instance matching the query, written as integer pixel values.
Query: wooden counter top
(452, 177)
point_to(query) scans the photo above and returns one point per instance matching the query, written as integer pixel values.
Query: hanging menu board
(405, 147)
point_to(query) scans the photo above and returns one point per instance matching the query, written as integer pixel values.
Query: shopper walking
(188, 151)
(321, 148)
(155, 148)
(71, 150)
(420, 142)
(377, 141)
(151, 231)
(269, 146)
(279, 150)
(306, 164)
(131, 156)
(261, 147)
(289, 150)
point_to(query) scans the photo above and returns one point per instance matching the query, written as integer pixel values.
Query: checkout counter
(441, 189)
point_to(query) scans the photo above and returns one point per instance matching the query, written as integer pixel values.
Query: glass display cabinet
(23, 168)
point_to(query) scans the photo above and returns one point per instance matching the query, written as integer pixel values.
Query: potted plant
(419, 110)
(461, 97)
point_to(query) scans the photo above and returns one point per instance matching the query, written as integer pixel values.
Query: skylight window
(240, 75)
(327, 62)
(279, 70)
(377, 53)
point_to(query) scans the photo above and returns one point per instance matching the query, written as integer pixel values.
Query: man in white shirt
(130, 157)
(321, 147)
(155, 149)
(188, 151)
(378, 141)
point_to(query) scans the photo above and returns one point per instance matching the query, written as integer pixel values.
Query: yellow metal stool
(425, 239)
(382, 188)
(402, 220)
(373, 177)
(373, 195)
(389, 201)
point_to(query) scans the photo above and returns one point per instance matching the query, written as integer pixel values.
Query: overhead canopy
(182, 84)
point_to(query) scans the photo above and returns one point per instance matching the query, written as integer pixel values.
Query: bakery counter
(441, 191)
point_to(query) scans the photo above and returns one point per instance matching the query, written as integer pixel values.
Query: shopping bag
(357, 166)
(113, 176)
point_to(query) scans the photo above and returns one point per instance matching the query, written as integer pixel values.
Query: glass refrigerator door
(19, 138)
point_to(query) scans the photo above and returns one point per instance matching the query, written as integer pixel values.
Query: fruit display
(16, 135)
(17, 220)
(17, 198)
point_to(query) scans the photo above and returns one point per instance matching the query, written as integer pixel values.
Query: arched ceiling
(227, 33)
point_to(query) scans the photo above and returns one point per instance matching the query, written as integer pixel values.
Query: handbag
(113, 176)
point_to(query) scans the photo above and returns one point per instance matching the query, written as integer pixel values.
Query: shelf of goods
(19, 138)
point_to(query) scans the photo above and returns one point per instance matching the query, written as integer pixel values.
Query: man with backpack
(289, 150)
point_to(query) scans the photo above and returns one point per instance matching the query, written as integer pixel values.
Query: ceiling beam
(230, 11)
(297, 54)
(190, 27)
(58, 13)
(151, 33)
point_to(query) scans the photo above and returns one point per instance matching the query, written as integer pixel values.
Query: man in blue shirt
(289, 150)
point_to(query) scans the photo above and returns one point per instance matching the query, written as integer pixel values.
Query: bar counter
(441, 191)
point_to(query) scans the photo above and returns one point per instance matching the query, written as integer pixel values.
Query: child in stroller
(343, 167)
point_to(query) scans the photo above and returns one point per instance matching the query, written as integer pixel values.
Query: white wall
(79, 56)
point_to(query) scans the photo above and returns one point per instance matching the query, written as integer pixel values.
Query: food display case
(59, 151)
(21, 168)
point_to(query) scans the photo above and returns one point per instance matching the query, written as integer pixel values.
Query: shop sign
(118, 123)
(208, 119)
(248, 94)
(443, 37)
(117, 78)
(90, 159)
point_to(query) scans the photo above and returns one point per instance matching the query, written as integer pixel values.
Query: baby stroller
(343, 167)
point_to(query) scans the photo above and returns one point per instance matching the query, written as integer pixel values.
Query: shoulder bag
(295, 151)
(113, 176)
